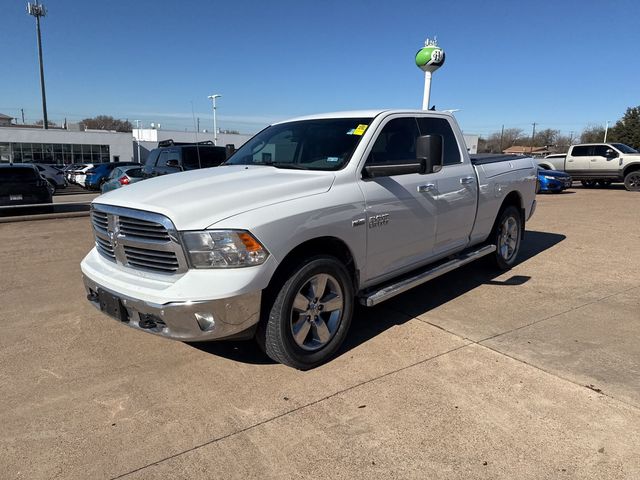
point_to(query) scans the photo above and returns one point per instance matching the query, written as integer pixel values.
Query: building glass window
(53, 153)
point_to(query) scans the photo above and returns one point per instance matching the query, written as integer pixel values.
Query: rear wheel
(589, 183)
(309, 315)
(507, 236)
(632, 181)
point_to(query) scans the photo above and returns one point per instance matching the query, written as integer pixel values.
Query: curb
(43, 216)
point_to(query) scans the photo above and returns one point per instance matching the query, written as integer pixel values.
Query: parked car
(308, 217)
(54, 175)
(80, 174)
(69, 171)
(121, 176)
(22, 184)
(173, 157)
(99, 174)
(553, 181)
(599, 164)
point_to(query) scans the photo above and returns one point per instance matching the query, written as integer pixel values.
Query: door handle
(429, 187)
(467, 180)
(594, 159)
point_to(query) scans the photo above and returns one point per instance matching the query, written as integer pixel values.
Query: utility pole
(22, 112)
(198, 127)
(501, 138)
(606, 130)
(533, 136)
(138, 139)
(571, 137)
(38, 10)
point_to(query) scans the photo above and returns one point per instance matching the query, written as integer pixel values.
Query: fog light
(205, 321)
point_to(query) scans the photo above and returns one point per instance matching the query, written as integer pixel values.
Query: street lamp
(215, 127)
(138, 139)
(38, 10)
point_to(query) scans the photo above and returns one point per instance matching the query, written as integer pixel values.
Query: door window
(396, 143)
(580, 151)
(600, 150)
(168, 154)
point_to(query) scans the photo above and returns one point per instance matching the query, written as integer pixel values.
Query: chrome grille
(137, 239)
(142, 229)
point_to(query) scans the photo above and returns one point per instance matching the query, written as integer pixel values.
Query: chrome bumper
(178, 321)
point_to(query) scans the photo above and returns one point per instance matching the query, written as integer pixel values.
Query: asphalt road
(531, 374)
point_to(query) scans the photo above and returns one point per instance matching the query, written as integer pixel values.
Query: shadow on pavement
(370, 322)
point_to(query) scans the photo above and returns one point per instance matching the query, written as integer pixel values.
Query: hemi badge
(358, 222)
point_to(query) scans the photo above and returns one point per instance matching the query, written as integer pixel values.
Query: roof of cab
(360, 114)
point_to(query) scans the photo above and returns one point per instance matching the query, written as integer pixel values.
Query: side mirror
(429, 153)
(173, 163)
(610, 153)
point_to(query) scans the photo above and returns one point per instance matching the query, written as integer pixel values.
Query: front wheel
(309, 315)
(632, 181)
(507, 236)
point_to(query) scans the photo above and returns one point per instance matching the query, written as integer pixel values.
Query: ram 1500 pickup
(599, 164)
(308, 217)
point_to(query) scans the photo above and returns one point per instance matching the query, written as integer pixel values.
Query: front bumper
(177, 320)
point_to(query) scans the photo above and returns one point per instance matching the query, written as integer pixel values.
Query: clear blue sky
(563, 64)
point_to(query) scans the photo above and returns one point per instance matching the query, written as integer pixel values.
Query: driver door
(400, 209)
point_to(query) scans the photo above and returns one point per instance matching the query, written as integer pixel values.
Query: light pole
(38, 11)
(606, 130)
(138, 138)
(215, 126)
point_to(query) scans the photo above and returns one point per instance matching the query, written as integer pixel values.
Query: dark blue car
(99, 174)
(553, 181)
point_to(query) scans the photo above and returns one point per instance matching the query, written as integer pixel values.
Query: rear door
(579, 161)
(456, 188)
(400, 220)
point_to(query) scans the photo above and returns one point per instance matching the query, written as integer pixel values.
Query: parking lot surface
(530, 374)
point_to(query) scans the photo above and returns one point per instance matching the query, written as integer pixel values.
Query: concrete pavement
(530, 374)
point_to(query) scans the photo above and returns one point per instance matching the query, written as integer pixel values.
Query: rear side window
(203, 157)
(580, 151)
(440, 126)
(168, 154)
(134, 172)
(13, 175)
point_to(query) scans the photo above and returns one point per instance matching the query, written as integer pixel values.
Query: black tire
(589, 183)
(507, 237)
(632, 181)
(281, 316)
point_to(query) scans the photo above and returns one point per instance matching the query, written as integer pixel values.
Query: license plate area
(15, 198)
(112, 306)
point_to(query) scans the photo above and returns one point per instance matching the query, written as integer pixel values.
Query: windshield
(624, 148)
(325, 144)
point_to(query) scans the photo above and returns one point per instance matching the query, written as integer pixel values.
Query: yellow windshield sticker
(360, 129)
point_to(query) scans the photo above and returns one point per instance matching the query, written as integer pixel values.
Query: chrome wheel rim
(317, 312)
(508, 238)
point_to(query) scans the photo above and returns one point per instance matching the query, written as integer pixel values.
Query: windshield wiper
(294, 166)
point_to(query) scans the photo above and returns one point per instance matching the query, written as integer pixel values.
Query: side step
(388, 291)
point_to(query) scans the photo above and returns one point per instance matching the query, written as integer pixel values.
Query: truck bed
(484, 158)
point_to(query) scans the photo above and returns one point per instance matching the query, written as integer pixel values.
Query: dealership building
(58, 146)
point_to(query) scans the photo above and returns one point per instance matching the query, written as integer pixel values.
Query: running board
(388, 291)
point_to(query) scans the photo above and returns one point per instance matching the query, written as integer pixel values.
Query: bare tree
(105, 122)
(592, 134)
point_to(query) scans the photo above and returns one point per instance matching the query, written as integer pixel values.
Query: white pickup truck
(599, 164)
(308, 217)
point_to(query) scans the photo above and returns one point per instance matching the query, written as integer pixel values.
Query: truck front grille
(137, 239)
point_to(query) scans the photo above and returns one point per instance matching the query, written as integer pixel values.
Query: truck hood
(200, 198)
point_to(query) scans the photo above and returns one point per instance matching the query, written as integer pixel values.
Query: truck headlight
(223, 249)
